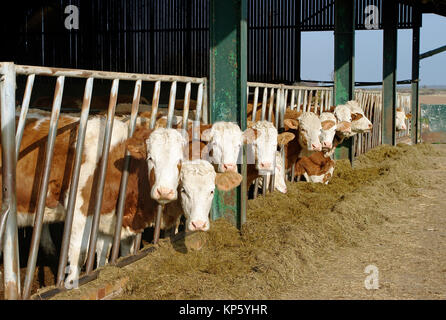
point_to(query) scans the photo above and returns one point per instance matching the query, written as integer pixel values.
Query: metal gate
(11, 140)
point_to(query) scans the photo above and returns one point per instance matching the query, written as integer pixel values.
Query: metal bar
(271, 103)
(156, 234)
(415, 109)
(227, 87)
(11, 264)
(63, 257)
(186, 106)
(155, 102)
(344, 63)
(199, 102)
(125, 175)
(433, 52)
(101, 176)
(264, 101)
(107, 75)
(171, 107)
(254, 105)
(390, 37)
(23, 113)
(38, 220)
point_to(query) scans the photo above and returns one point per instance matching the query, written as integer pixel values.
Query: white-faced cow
(401, 117)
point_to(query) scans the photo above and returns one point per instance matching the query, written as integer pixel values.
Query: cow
(153, 177)
(400, 121)
(317, 167)
(360, 123)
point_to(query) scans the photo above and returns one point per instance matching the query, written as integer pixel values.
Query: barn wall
(163, 36)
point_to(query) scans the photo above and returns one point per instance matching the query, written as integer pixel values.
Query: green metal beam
(344, 62)
(432, 52)
(415, 128)
(227, 90)
(390, 19)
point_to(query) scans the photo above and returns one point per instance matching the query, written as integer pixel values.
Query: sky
(318, 48)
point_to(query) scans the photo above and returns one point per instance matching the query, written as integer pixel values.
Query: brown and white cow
(317, 168)
(401, 117)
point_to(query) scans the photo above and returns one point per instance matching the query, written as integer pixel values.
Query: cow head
(309, 131)
(224, 140)
(343, 115)
(360, 123)
(401, 117)
(329, 127)
(263, 137)
(198, 181)
(163, 150)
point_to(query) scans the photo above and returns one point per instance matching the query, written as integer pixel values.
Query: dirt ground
(433, 99)
(409, 251)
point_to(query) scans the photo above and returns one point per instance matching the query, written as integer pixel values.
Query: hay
(285, 234)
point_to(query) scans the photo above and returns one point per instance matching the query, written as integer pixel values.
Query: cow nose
(327, 144)
(229, 167)
(403, 127)
(265, 165)
(197, 225)
(316, 146)
(370, 126)
(164, 193)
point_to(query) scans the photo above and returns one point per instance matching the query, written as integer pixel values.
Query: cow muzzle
(198, 225)
(164, 194)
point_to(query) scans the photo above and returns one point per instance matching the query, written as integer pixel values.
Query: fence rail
(11, 146)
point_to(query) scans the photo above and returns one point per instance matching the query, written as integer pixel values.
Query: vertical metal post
(297, 43)
(227, 88)
(23, 113)
(344, 60)
(41, 201)
(63, 258)
(101, 177)
(11, 264)
(125, 175)
(416, 112)
(390, 20)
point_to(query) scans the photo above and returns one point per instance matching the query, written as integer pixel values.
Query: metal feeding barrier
(371, 102)
(11, 145)
(276, 98)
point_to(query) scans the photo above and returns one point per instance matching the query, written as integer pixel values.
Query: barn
(203, 60)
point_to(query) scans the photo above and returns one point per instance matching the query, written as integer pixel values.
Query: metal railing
(371, 102)
(275, 99)
(11, 145)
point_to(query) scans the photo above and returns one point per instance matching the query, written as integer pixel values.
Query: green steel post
(390, 19)
(415, 122)
(298, 43)
(227, 90)
(344, 62)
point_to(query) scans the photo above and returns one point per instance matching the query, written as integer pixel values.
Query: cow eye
(212, 192)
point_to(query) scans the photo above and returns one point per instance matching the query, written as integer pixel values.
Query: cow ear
(344, 126)
(161, 123)
(206, 135)
(250, 135)
(284, 138)
(409, 116)
(136, 145)
(228, 180)
(291, 124)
